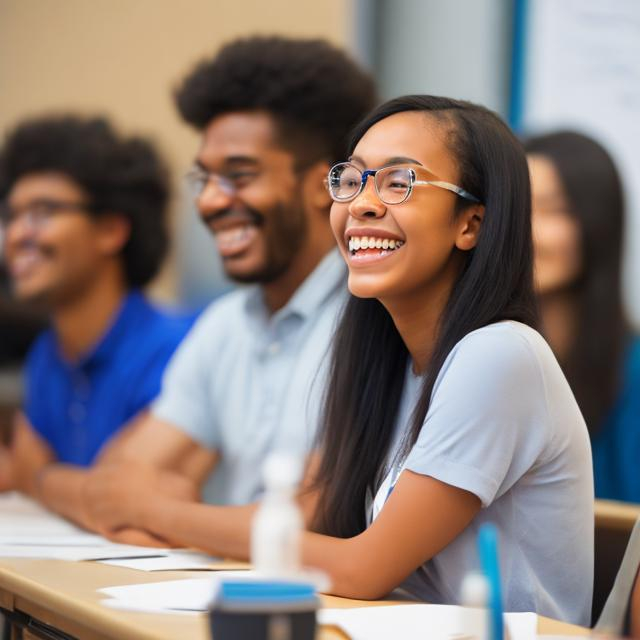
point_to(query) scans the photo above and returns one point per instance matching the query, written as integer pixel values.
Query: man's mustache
(250, 215)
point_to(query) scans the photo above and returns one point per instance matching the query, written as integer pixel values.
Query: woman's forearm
(225, 531)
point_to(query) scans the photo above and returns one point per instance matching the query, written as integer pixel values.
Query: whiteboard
(578, 66)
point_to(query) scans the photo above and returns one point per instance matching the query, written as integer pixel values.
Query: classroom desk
(62, 595)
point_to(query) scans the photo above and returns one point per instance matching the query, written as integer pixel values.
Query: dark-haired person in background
(84, 223)
(578, 222)
(274, 113)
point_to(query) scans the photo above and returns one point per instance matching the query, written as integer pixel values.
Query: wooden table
(57, 599)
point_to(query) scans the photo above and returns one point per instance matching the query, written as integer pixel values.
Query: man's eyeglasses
(38, 213)
(393, 184)
(198, 178)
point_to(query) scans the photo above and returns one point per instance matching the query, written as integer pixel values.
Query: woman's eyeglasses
(393, 184)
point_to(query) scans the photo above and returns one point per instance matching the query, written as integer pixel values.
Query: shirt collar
(329, 275)
(120, 323)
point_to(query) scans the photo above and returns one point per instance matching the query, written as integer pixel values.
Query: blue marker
(488, 549)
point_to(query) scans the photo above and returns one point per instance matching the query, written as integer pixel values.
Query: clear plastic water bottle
(278, 524)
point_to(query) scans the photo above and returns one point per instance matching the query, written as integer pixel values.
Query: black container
(271, 624)
(281, 621)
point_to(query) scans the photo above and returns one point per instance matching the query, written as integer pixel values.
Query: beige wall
(122, 57)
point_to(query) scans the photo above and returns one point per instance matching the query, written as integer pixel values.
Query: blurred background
(540, 64)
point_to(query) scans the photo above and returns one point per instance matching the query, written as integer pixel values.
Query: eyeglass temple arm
(450, 187)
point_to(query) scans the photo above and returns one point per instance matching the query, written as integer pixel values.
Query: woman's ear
(314, 187)
(469, 225)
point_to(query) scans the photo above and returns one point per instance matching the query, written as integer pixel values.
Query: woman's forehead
(412, 135)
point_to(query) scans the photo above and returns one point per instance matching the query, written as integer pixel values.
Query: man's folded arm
(183, 463)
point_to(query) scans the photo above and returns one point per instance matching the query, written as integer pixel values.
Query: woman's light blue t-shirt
(503, 424)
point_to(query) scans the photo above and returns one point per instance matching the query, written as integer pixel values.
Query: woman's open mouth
(370, 248)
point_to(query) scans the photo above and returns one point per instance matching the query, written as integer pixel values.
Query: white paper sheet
(172, 561)
(20, 516)
(57, 539)
(190, 594)
(27, 530)
(364, 623)
(418, 621)
(65, 552)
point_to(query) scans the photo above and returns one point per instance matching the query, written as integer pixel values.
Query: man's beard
(284, 231)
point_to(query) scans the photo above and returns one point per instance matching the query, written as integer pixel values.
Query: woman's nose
(367, 204)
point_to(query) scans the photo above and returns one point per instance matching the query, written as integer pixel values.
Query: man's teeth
(229, 237)
(366, 242)
(24, 261)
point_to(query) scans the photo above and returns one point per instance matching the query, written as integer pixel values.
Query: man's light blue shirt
(245, 383)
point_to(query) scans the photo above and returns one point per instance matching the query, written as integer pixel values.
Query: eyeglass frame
(224, 183)
(52, 206)
(413, 180)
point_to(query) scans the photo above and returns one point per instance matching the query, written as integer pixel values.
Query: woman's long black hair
(369, 358)
(593, 190)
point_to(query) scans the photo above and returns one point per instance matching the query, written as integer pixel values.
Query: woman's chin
(365, 287)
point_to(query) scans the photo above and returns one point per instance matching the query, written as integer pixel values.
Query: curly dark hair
(120, 175)
(313, 90)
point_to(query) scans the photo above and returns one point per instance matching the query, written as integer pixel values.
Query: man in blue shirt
(83, 215)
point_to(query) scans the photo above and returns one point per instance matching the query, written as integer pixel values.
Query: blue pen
(488, 549)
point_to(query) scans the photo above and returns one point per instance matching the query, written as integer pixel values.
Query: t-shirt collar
(320, 284)
(105, 346)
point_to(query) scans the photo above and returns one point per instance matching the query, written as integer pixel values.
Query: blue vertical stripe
(518, 65)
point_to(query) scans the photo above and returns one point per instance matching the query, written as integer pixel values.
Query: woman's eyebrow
(401, 160)
(389, 162)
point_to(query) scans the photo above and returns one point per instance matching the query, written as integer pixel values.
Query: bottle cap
(474, 591)
(282, 470)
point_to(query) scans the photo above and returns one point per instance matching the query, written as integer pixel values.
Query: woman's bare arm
(421, 517)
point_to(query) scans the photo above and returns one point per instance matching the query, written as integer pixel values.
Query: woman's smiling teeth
(359, 243)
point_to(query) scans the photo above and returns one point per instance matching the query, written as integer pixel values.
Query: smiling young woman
(445, 408)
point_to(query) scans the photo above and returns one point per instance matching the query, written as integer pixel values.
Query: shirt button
(81, 387)
(273, 349)
(77, 412)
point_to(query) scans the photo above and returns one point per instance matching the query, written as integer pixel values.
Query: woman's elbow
(359, 579)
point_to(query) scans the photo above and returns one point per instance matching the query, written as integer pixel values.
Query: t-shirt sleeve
(184, 399)
(153, 363)
(487, 422)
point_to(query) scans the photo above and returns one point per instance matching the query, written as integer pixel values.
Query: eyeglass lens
(199, 179)
(36, 214)
(392, 183)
